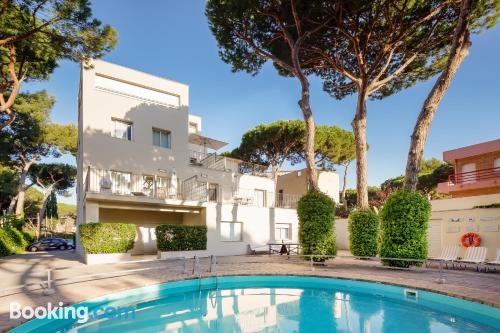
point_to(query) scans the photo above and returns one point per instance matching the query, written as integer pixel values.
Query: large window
(212, 192)
(260, 198)
(161, 138)
(282, 231)
(121, 182)
(122, 129)
(230, 231)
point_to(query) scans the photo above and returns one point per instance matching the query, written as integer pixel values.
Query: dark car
(50, 244)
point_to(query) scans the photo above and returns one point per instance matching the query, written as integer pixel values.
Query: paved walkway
(31, 268)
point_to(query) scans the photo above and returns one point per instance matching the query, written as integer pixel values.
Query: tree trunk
(459, 50)
(18, 200)
(359, 129)
(344, 185)
(46, 196)
(305, 106)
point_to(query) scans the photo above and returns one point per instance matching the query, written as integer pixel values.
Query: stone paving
(29, 268)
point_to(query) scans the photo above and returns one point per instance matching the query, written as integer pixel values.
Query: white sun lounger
(475, 255)
(448, 255)
(495, 262)
(254, 248)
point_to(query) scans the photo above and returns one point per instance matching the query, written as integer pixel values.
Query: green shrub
(11, 241)
(316, 213)
(107, 237)
(363, 233)
(174, 237)
(7, 245)
(405, 218)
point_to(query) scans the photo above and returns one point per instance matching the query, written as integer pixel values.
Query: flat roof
(478, 149)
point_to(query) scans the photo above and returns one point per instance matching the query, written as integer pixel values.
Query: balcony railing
(261, 198)
(159, 187)
(224, 163)
(474, 176)
(141, 185)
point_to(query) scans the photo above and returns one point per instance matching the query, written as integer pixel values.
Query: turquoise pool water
(280, 304)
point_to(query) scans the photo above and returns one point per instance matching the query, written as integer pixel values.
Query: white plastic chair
(475, 255)
(448, 255)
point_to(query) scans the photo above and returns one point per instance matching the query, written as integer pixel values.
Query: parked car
(50, 244)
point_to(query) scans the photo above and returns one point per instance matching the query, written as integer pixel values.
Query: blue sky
(172, 39)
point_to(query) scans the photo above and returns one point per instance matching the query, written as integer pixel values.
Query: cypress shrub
(107, 237)
(405, 218)
(316, 212)
(175, 237)
(363, 233)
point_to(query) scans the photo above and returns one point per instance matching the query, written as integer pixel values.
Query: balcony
(147, 186)
(477, 180)
(126, 184)
(224, 163)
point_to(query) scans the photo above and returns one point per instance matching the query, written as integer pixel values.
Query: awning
(206, 142)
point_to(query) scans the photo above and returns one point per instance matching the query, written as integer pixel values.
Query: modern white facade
(142, 159)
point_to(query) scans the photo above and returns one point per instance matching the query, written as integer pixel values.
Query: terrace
(160, 187)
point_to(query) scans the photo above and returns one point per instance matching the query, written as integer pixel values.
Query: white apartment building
(142, 159)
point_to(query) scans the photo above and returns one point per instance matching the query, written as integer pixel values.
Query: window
(496, 163)
(120, 182)
(282, 231)
(161, 138)
(212, 192)
(193, 128)
(468, 173)
(122, 129)
(260, 198)
(148, 185)
(230, 231)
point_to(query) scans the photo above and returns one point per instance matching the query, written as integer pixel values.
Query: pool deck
(468, 284)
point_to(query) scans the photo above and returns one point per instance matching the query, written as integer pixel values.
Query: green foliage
(44, 32)
(316, 212)
(404, 219)
(65, 209)
(32, 202)
(333, 146)
(12, 241)
(107, 237)
(51, 210)
(364, 233)
(493, 205)
(8, 185)
(174, 237)
(272, 144)
(61, 176)
(432, 172)
(351, 196)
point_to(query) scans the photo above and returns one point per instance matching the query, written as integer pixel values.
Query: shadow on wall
(104, 151)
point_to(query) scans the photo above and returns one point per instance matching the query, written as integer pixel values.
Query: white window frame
(162, 133)
(126, 122)
(232, 237)
(264, 198)
(281, 226)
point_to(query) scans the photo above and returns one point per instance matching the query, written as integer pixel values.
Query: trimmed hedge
(174, 237)
(405, 218)
(107, 237)
(12, 241)
(363, 233)
(316, 212)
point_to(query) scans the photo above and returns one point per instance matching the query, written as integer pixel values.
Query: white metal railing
(261, 198)
(224, 163)
(159, 187)
(142, 185)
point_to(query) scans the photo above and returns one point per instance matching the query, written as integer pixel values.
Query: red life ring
(470, 239)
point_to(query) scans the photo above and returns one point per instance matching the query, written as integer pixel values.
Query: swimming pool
(280, 304)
